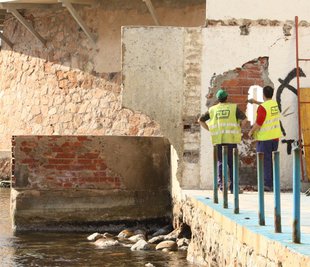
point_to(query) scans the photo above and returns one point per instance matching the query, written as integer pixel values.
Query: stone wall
(221, 239)
(71, 86)
(75, 182)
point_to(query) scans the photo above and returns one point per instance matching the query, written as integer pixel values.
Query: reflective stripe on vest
(223, 125)
(271, 127)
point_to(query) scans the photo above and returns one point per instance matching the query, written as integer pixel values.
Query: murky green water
(53, 249)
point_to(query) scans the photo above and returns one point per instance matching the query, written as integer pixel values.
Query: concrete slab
(248, 216)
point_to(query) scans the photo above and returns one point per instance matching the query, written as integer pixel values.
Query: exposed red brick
(238, 99)
(60, 161)
(65, 155)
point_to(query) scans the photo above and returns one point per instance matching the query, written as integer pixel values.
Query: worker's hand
(252, 101)
(250, 134)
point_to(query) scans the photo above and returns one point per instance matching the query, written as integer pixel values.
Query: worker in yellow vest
(267, 131)
(223, 121)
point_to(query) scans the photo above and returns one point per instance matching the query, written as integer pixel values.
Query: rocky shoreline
(165, 239)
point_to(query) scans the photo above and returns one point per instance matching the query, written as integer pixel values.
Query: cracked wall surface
(237, 83)
(70, 86)
(237, 35)
(168, 61)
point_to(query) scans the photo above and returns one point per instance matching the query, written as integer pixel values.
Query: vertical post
(260, 178)
(298, 96)
(236, 180)
(296, 195)
(215, 185)
(225, 176)
(276, 188)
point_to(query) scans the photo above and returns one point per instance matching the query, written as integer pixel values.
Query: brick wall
(74, 182)
(61, 162)
(237, 82)
(251, 73)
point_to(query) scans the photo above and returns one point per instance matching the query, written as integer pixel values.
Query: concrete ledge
(84, 210)
(222, 238)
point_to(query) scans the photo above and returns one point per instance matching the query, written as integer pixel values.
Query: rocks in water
(180, 232)
(168, 244)
(136, 238)
(157, 239)
(163, 231)
(182, 242)
(149, 265)
(172, 241)
(106, 242)
(141, 245)
(125, 234)
(107, 235)
(94, 236)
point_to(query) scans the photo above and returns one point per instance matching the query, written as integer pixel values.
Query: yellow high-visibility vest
(223, 124)
(271, 127)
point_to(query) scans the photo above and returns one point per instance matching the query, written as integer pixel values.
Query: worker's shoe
(268, 189)
(240, 191)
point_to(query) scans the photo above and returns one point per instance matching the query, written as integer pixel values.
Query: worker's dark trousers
(220, 164)
(267, 147)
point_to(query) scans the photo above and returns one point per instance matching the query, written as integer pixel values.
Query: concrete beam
(29, 27)
(78, 19)
(6, 40)
(152, 11)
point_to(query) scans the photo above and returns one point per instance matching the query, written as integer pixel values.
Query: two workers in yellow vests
(225, 120)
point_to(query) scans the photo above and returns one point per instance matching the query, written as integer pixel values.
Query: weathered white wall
(152, 75)
(263, 9)
(225, 49)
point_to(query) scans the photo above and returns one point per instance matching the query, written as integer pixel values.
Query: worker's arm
(254, 128)
(203, 124)
(202, 120)
(244, 123)
(253, 101)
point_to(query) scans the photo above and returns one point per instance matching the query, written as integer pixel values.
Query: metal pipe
(296, 196)
(225, 176)
(276, 189)
(215, 185)
(236, 180)
(260, 179)
(298, 97)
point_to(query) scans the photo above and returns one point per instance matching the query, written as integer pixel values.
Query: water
(54, 249)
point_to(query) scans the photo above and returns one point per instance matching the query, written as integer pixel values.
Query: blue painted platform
(248, 216)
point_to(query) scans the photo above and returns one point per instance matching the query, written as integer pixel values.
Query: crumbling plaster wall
(169, 89)
(70, 86)
(226, 49)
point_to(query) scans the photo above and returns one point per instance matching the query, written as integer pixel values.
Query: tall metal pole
(298, 97)
(236, 180)
(260, 178)
(215, 185)
(276, 188)
(225, 176)
(296, 196)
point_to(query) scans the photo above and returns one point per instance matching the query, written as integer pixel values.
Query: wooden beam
(85, 2)
(152, 11)
(79, 20)
(6, 40)
(28, 6)
(29, 27)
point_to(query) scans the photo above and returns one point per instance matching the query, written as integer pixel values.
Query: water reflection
(54, 249)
